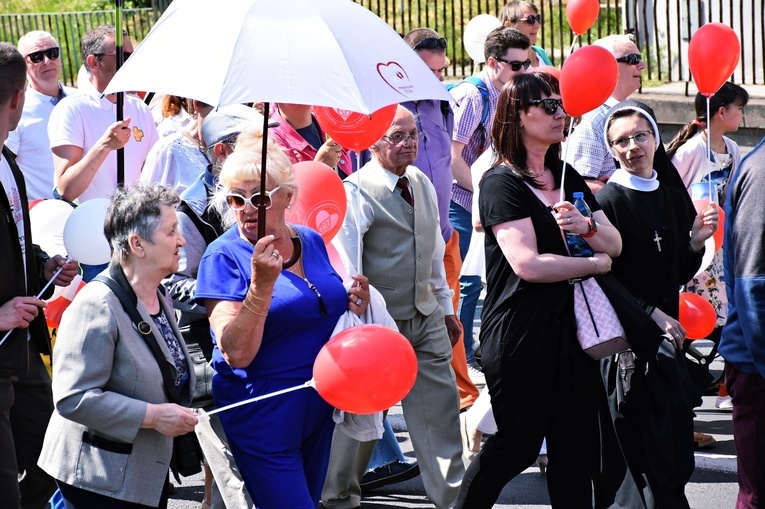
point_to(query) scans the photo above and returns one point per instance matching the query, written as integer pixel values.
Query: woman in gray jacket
(110, 439)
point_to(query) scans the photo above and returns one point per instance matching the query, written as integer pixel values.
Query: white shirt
(14, 198)
(359, 219)
(81, 121)
(174, 161)
(29, 141)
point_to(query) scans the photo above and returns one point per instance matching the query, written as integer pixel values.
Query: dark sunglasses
(238, 202)
(431, 43)
(530, 19)
(515, 65)
(37, 56)
(125, 54)
(631, 59)
(550, 105)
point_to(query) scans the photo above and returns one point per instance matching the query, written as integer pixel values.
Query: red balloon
(587, 78)
(582, 14)
(320, 200)
(32, 203)
(356, 131)
(553, 71)
(365, 369)
(697, 316)
(719, 234)
(713, 54)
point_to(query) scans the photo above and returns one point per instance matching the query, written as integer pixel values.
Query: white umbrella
(332, 53)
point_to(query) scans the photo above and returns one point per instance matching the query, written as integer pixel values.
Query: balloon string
(571, 49)
(709, 154)
(39, 295)
(358, 214)
(565, 158)
(309, 383)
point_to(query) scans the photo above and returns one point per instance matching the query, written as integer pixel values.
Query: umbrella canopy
(332, 53)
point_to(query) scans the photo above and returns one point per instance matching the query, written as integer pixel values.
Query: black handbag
(187, 453)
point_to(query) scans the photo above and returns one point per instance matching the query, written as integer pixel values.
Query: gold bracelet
(254, 310)
(251, 292)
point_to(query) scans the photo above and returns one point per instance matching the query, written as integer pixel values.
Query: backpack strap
(129, 301)
(481, 86)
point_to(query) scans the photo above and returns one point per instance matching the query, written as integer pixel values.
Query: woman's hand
(672, 327)
(267, 264)
(602, 263)
(358, 295)
(169, 419)
(704, 226)
(570, 219)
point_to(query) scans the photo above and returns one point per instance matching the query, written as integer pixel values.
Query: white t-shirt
(29, 141)
(14, 198)
(82, 120)
(174, 161)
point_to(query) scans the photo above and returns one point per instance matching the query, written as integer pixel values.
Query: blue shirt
(295, 329)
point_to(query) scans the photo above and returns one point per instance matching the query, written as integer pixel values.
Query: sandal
(702, 440)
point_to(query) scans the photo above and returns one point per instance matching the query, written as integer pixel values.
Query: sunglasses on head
(238, 202)
(515, 65)
(550, 105)
(530, 20)
(37, 56)
(631, 59)
(431, 43)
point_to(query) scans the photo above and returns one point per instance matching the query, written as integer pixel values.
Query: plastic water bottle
(577, 245)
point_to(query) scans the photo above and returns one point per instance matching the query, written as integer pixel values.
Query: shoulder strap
(481, 86)
(145, 330)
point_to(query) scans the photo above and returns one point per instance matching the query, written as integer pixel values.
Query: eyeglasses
(431, 43)
(515, 65)
(641, 138)
(125, 54)
(37, 56)
(550, 105)
(238, 202)
(631, 59)
(402, 138)
(530, 19)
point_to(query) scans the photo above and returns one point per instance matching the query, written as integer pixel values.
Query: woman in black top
(528, 331)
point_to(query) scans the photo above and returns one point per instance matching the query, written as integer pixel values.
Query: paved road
(713, 485)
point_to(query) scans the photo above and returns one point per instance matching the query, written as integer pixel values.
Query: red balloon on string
(356, 131)
(587, 78)
(553, 71)
(320, 200)
(697, 316)
(365, 369)
(713, 54)
(582, 14)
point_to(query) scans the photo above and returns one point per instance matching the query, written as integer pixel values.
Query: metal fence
(662, 29)
(69, 27)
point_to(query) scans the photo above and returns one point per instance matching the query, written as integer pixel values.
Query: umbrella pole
(120, 95)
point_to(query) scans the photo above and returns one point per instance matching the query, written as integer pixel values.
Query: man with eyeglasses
(392, 205)
(590, 155)
(84, 131)
(29, 141)
(506, 53)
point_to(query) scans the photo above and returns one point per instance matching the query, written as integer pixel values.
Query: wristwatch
(593, 228)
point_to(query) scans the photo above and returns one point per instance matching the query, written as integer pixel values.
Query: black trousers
(78, 498)
(536, 393)
(26, 404)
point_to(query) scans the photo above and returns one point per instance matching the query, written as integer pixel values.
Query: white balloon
(474, 35)
(709, 253)
(47, 220)
(84, 233)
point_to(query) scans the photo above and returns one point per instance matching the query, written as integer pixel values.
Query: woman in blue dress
(269, 323)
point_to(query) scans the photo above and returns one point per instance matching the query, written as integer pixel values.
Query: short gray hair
(32, 37)
(93, 42)
(135, 210)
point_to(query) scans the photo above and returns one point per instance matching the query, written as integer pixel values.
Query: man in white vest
(392, 205)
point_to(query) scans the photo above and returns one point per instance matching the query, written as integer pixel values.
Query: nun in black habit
(647, 427)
